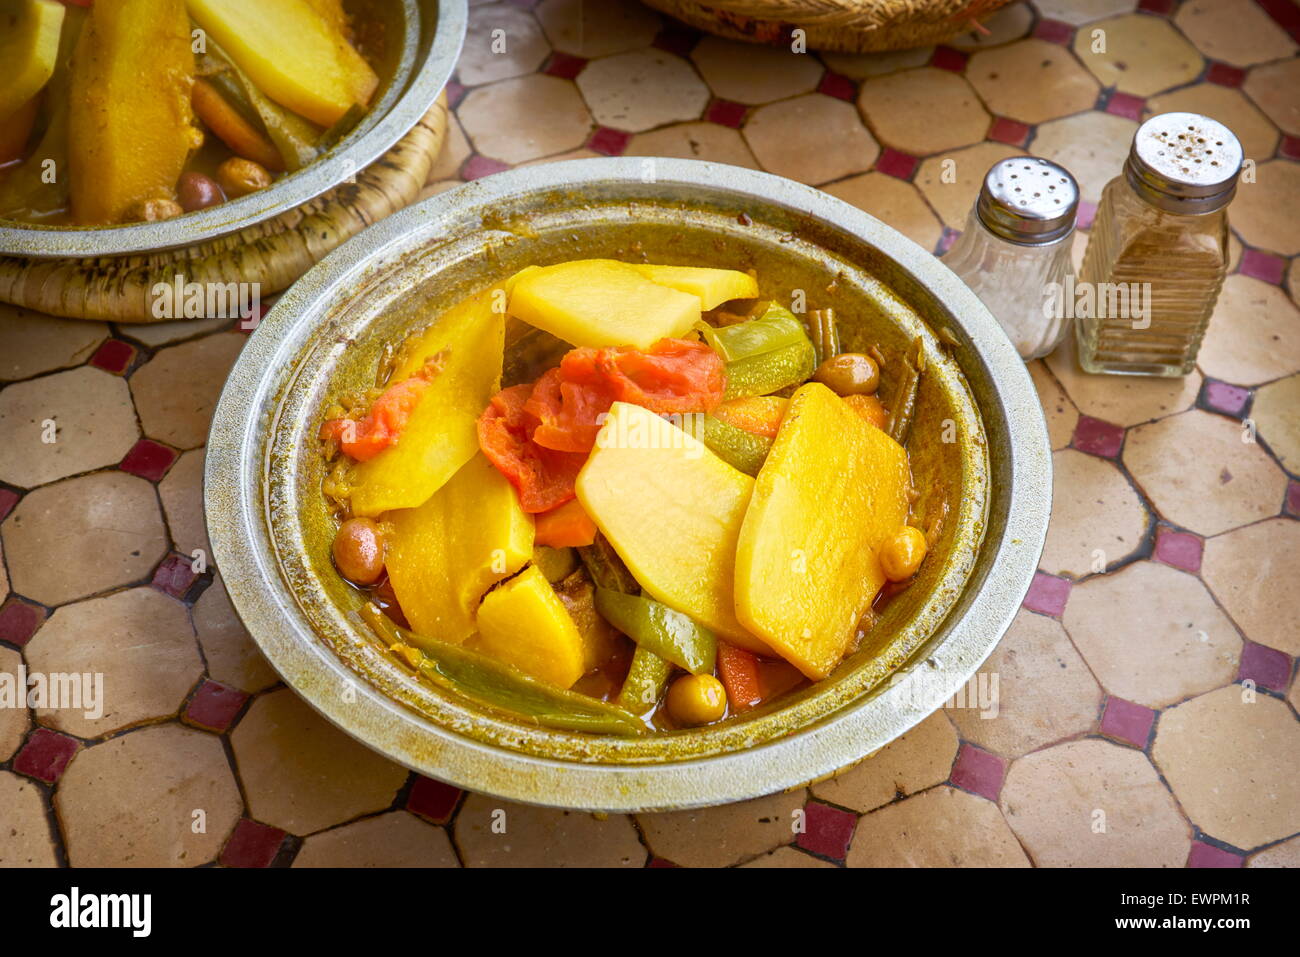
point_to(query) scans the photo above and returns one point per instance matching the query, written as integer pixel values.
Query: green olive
(849, 373)
(359, 551)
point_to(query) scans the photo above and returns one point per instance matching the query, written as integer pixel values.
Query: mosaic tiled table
(1148, 684)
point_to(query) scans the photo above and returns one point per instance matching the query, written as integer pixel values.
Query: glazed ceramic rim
(416, 85)
(234, 504)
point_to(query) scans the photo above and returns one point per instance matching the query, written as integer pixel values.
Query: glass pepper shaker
(1014, 252)
(1158, 252)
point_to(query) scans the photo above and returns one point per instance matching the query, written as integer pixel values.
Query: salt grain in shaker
(1015, 250)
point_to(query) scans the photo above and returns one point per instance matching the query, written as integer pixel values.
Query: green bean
(903, 407)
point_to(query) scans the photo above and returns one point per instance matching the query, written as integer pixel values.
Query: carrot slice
(232, 129)
(738, 671)
(871, 409)
(756, 414)
(568, 526)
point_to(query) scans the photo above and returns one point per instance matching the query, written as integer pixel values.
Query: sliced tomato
(379, 428)
(544, 478)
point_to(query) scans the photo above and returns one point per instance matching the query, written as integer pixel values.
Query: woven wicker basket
(843, 26)
(272, 254)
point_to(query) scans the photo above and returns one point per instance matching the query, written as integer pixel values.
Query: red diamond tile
(1267, 667)
(214, 706)
(1125, 105)
(979, 772)
(564, 65)
(1047, 594)
(1011, 132)
(45, 755)
(895, 163)
(455, 93)
(148, 459)
(840, 87)
(946, 58)
(1289, 147)
(1087, 213)
(1179, 549)
(1225, 75)
(1262, 265)
(676, 39)
(726, 113)
(8, 499)
(1286, 14)
(19, 620)
(1161, 7)
(433, 799)
(948, 237)
(1207, 855)
(252, 845)
(175, 576)
(609, 141)
(1127, 722)
(1054, 31)
(661, 862)
(476, 167)
(1097, 437)
(829, 830)
(1221, 397)
(113, 356)
(1293, 498)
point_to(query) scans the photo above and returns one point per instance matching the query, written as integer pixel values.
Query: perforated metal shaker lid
(1028, 200)
(1184, 162)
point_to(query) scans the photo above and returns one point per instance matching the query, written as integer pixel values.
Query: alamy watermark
(182, 299)
(56, 690)
(1102, 300)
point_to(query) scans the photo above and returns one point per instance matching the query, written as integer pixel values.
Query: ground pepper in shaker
(1014, 252)
(1159, 249)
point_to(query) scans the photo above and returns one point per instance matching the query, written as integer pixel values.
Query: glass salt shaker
(1015, 250)
(1158, 252)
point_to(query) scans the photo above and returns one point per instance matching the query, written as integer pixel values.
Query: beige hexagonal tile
(1060, 412)
(176, 391)
(83, 535)
(1249, 571)
(395, 839)
(1197, 471)
(1093, 803)
(1230, 107)
(1079, 12)
(1097, 517)
(642, 89)
(893, 201)
(812, 138)
(1010, 23)
(1138, 54)
(1121, 399)
(142, 644)
(85, 413)
(1286, 854)
(14, 722)
(1277, 417)
(1293, 281)
(1234, 31)
(900, 110)
(728, 834)
(495, 833)
(787, 857)
(942, 827)
(754, 74)
(951, 181)
(233, 658)
(157, 797)
(455, 150)
(302, 774)
(1273, 87)
(25, 836)
(1031, 81)
(502, 41)
(1092, 146)
(1233, 759)
(918, 760)
(525, 118)
(32, 342)
(859, 66)
(1044, 691)
(596, 28)
(157, 334)
(695, 140)
(181, 491)
(1261, 210)
(1152, 634)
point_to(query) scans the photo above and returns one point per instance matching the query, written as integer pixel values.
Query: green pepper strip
(667, 633)
(606, 568)
(774, 329)
(645, 681)
(466, 672)
(740, 449)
